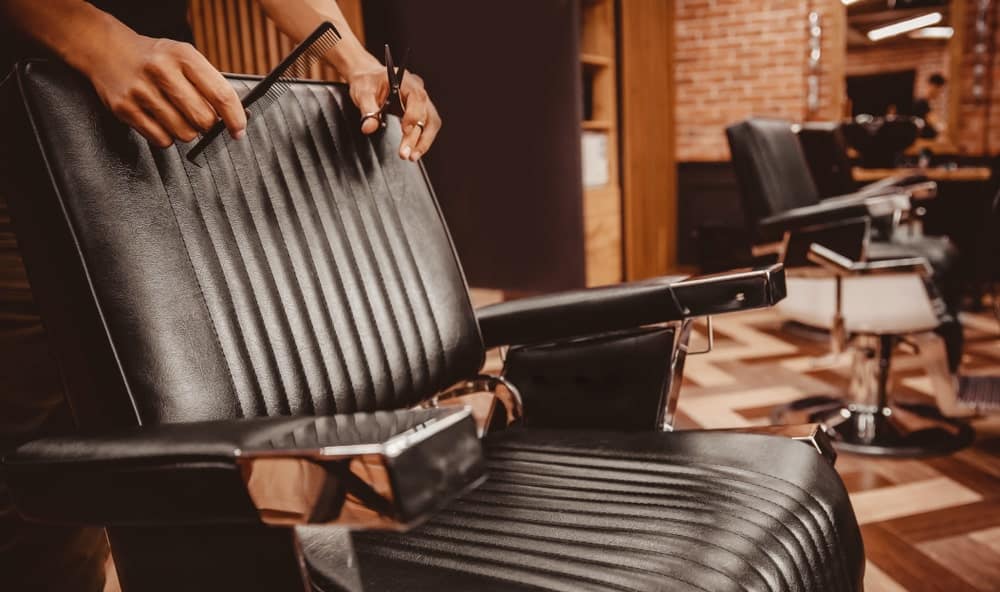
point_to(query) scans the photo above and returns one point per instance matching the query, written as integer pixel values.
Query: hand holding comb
(267, 91)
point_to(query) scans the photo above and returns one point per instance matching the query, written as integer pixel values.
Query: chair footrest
(982, 392)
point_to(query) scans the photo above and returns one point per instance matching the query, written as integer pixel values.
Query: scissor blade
(402, 69)
(390, 68)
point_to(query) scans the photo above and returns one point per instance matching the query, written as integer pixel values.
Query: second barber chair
(860, 273)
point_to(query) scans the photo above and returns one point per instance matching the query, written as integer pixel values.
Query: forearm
(298, 18)
(69, 28)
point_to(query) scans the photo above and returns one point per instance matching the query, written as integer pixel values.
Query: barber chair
(261, 354)
(871, 282)
(880, 141)
(825, 149)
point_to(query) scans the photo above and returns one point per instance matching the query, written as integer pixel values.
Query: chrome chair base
(897, 429)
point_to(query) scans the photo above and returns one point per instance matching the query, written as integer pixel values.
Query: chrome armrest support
(836, 263)
(500, 392)
(384, 485)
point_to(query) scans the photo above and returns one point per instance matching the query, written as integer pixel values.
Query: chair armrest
(825, 212)
(915, 186)
(833, 210)
(591, 311)
(380, 470)
(841, 265)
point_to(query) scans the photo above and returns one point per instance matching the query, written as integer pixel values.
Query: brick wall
(979, 122)
(737, 58)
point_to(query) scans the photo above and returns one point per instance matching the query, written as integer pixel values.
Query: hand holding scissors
(399, 93)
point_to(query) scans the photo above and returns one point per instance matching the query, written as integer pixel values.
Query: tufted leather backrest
(305, 269)
(771, 168)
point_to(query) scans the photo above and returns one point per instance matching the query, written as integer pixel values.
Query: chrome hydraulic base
(867, 421)
(896, 429)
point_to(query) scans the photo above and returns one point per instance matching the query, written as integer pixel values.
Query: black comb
(267, 91)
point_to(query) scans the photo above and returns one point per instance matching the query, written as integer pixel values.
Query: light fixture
(848, 2)
(933, 33)
(905, 26)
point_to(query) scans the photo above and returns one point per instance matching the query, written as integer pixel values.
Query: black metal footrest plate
(982, 392)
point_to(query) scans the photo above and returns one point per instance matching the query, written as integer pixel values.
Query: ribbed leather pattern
(309, 272)
(644, 515)
(305, 269)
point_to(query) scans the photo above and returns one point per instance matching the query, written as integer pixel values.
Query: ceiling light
(911, 24)
(933, 33)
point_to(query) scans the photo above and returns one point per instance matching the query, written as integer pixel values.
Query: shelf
(597, 125)
(595, 60)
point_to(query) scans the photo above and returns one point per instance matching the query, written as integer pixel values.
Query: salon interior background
(724, 60)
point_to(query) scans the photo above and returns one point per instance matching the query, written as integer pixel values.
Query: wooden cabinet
(602, 197)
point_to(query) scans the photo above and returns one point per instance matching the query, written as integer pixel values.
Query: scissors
(393, 104)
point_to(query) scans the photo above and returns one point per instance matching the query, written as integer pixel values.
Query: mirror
(900, 58)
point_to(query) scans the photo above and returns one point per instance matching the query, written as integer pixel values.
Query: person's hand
(166, 90)
(421, 122)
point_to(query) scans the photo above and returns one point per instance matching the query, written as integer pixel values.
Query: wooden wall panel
(648, 163)
(602, 204)
(236, 36)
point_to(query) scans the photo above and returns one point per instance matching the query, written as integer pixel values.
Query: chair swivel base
(897, 429)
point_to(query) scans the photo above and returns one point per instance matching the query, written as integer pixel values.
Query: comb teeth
(299, 67)
(272, 95)
(296, 65)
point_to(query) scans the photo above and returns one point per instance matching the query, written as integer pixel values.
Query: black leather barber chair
(259, 352)
(825, 149)
(872, 282)
(880, 141)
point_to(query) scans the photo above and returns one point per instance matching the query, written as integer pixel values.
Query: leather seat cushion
(609, 511)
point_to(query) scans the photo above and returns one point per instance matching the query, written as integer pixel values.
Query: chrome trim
(836, 263)
(668, 404)
(390, 485)
(711, 335)
(486, 383)
(390, 447)
(413, 436)
(732, 275)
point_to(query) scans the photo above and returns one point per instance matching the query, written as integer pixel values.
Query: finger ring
(371, 115)
(421, 125)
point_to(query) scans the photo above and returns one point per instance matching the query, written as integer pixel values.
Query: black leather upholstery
(613, 381)
(825, 151)
(578, 511)
(306, 271)
(771, 168)
(551, 317)
(269, 282)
